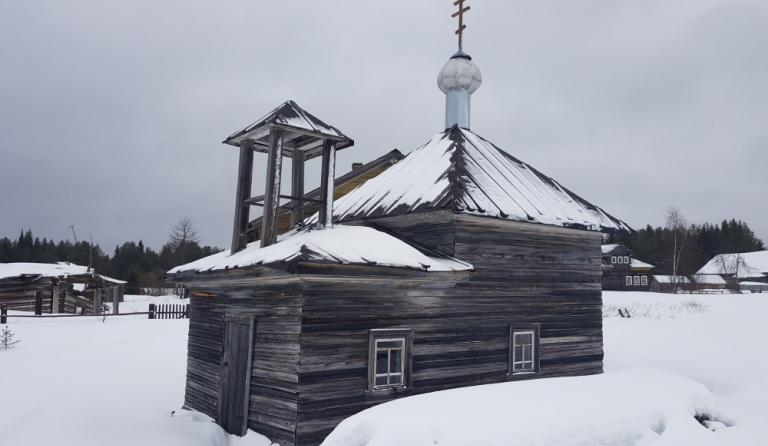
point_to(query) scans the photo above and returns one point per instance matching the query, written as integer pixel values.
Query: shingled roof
(459, 170)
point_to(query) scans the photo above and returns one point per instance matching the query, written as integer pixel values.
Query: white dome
(459, 73)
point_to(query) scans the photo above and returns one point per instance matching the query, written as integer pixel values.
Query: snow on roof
(668, 279)
(634, 263)
(608, 248)
(59, 269)
(709, 279)
(290, 115)
(340, 244)
(459, 170)
(748, 264)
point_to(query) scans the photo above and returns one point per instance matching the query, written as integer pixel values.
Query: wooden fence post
(55, 299)
(4, 314)
(38, 303)
(115, 300)
(151, 311)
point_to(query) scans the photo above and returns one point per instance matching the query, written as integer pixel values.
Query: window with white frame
(620, 259)
(523, 355)
(626, 260)
(613, 259)
(644, 280)
(388, 359)
(628, 281)
(636, 280)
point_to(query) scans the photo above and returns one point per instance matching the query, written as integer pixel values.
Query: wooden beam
(243, 191)
(297, 188)
(326, 183)
(272, 188)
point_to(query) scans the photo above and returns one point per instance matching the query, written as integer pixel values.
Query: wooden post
(297, 187)
(4, 314)
(151, 311)
(272, 188)
(326, 184)
(38, 303)
(115, 300)
(97, 301)
(243, 192)
(55, 299)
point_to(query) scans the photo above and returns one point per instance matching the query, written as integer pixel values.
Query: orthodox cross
(460, 15)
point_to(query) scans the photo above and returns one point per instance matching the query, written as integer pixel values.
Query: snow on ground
(680, 356)
(83, 382)
(80, 381)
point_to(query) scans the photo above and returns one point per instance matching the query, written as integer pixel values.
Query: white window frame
(620, 259)
(644, 280)
(636, 281)
(376, 337)
(628, 281)
(514, 362)
(626, 260)
(613, 259)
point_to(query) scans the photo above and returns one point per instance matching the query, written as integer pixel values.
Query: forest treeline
(143, 267)
(696, 244)
(133, 262)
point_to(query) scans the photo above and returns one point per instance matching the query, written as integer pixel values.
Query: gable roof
(460, 170)
(351, 245)
(304, 131)
(670, 279)
(750, 264)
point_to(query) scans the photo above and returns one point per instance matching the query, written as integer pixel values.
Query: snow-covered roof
(459, 170)
(668, 279)
(60, 269)
(748, 264)
(341, 244)
(608, 248)
(292, 118)
(709, 279)
(634, 263)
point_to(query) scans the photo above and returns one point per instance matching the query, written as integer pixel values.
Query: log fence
(156, 311)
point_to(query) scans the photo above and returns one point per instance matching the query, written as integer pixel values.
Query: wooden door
(235, 381)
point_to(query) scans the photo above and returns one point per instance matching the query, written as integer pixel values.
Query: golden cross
(460, 15)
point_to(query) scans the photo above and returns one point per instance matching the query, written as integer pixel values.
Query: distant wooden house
(56, 288)
(737, 268)
(671, 284)
(288, 218)
(709, 282)
(622, 271)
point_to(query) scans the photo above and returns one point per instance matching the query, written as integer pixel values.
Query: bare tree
(731, 264)
(680, 231)
(181, 236)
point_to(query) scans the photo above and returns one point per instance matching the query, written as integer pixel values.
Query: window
(523, 357)
(613, 259)
(644, 280)
(628, 281)
(620, 259)
(388, 359)
(637, 280)
(626, 260)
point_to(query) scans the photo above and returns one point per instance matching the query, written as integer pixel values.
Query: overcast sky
(112, 113)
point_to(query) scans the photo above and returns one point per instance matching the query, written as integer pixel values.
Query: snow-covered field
(80, 381)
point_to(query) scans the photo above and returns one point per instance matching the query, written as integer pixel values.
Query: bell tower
(286, 132)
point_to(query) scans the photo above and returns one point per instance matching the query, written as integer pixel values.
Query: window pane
(518, 352)
(395, 360)
(396, 378)
(381, 380)
(527, 353)
(381, 361)
(390, 343)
